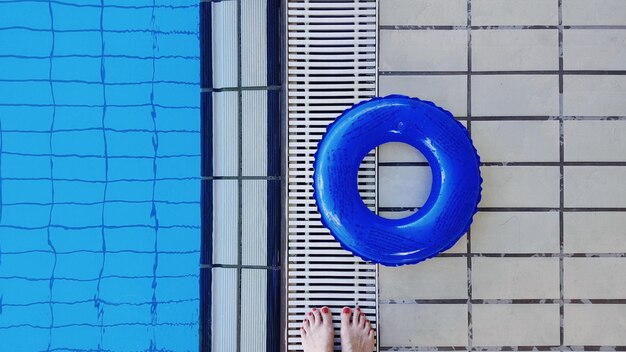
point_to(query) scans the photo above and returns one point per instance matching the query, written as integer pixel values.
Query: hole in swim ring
(404, 180)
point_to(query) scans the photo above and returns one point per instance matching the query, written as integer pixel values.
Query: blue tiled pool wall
(99, 175)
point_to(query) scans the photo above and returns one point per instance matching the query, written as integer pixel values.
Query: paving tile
(254, 222)
(448, 92)
(399, 152)
(225, 41)
(253, 310)
(597, 12)
(514, 12)
(435, 278)
(225, 129)
(253, 43)
(585, 49)
(223, 288)
(515, 232)
(225, 193)
(396, 214)
(516, 140)
(515, 95)
(595, 324)
(594, 95)
(515, 324)
(254, 133)
(423, 12)
(595, 140)
(515, 278)
(589, 278)
(593, 186)
(404, 186)
(423, 325)
(520, 186)
(402, 50)
(515, 50)
(460, 246)
(594, 232)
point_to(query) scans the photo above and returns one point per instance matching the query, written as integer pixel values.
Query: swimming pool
(99, 175)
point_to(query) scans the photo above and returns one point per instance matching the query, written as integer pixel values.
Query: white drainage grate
(331, 59)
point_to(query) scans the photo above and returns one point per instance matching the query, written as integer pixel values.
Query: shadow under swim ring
(456, 182)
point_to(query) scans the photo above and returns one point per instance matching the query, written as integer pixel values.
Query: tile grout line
(234, 178)
(239, 178)
(533, 255)
(457, 301)
(545, 118)
(561, 179)
(154, 212)
(508, 348)
(106, 171)
(511, 163)
(542, 118)
(52, 198)
(470, 327)
(408, 27)
(519, 209)
(243, 266)
(503, 72)
(240, 87)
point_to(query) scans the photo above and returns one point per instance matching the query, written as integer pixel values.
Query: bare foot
(317, 331)
(357, 334)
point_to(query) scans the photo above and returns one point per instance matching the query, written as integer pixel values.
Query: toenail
(314, 309)
(310, 313)
(359, 309)
(325, 310)
(346, 310)
(362, 314)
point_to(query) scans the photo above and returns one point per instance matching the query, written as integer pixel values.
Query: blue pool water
(99, 175)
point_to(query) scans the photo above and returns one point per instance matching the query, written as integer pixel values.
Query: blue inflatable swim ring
(456, 183)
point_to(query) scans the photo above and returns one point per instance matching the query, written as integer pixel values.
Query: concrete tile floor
(544, 265)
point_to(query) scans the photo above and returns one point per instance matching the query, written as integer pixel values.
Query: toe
(306, 325)
(303, 332)
(346, 315)
(362, 320)
(327, 316)
(356, 316)
(317, 315)
(371, 335)
(311, 318)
